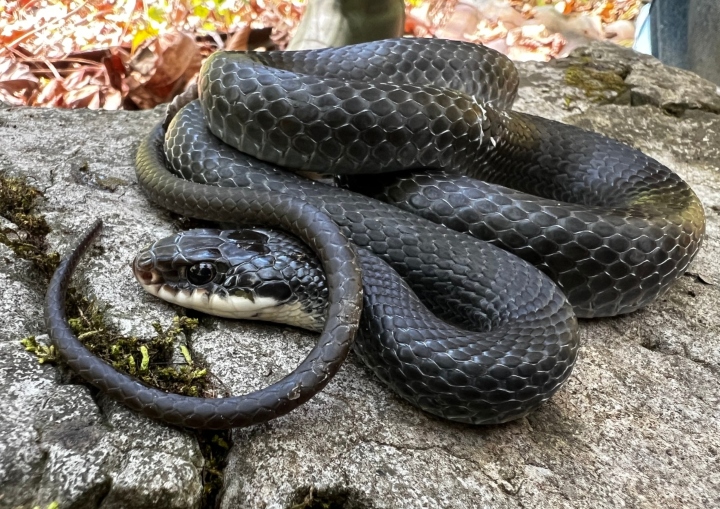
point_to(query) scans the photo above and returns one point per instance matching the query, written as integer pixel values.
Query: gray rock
(637, 425)
(60, 442)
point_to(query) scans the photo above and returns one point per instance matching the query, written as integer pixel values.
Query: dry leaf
(57, 37)
(112, 99)
(701, 278)
(462, 23)
(239, 40)
(116, 71)
(17, 83)
(85, 97)
(162, 68)
(534, 42)
(52, 94)
(83, 76)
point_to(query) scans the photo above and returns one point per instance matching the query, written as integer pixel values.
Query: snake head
(251, 273)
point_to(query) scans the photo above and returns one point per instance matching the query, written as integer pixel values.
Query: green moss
(598, 85)
(51, 505)
(44, 353)
(27, 240)
(215, 446)
(150, 360)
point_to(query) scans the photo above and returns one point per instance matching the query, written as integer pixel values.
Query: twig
(52, 68)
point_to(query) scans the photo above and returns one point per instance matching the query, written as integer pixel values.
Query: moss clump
(27, 241)
(150, 360)
(215, 446)
(44, 353)
(599, 86)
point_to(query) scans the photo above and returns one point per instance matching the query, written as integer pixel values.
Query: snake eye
(201, 273)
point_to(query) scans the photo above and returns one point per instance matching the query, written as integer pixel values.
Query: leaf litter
(136, 54)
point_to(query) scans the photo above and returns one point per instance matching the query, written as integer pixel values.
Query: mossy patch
(150, 360)
(215, 447)
(27, 240)
(51, 505)
(601, 86)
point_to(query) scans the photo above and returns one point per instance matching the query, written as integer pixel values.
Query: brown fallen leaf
(588, 27)
(87, 75)
(620, 31)
(84, 97)
(17, 83)
(463, 22)
(533, 42)
(239, 40)
(498, 11)
(701, 278)
(52, 94)
(116, 71)
(112, 99)
(423, 19)
(161, 68)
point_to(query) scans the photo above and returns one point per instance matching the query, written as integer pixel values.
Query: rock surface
(637, 425)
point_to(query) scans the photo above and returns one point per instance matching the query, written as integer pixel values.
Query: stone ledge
(638, 424)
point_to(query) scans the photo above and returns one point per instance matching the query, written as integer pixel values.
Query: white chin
(212, 304)
(264, 308)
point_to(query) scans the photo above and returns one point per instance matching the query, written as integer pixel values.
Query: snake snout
(142, 267)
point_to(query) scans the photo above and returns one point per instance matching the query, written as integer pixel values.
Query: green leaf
(156, 13)
(141, 36)
(186, 354)
(145, 362)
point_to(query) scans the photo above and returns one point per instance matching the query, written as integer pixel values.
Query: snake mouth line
(230, 306)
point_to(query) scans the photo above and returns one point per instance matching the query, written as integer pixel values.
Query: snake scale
(612, 227)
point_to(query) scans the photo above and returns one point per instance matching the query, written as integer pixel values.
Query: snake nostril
(142, 268)
(145, 277)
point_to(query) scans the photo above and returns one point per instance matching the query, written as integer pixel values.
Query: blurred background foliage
(139, 53)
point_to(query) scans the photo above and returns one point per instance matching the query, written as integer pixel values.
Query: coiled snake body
(610, 225)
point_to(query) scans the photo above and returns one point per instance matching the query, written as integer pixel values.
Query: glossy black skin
(526, 342)
(613, 227)
(465, 282)
(468, 384)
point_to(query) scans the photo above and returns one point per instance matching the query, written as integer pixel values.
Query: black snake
(613, 227)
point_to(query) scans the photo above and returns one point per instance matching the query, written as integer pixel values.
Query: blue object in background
(643, 42)
(682, 33)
